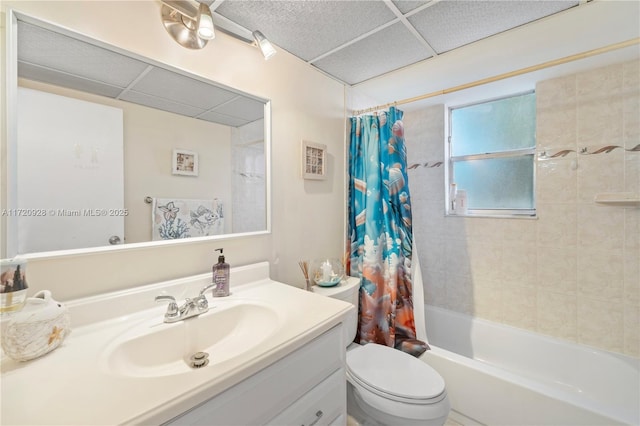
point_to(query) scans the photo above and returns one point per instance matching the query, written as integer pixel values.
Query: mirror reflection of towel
(173, 218)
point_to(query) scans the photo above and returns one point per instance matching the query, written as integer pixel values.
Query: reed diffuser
(304, 266)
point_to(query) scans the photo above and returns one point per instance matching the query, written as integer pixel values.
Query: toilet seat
(389, 396)
(396, 385)
(395, 375)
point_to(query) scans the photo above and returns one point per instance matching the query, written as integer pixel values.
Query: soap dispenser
(221, 276)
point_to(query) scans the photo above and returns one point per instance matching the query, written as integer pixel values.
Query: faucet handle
(202, 303)
(172, 308)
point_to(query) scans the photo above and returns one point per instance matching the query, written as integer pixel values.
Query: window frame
(450, 160)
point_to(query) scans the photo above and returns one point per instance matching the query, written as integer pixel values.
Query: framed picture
(314, 160)
(185, 162)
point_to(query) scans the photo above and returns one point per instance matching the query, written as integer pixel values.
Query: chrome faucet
(190, 307)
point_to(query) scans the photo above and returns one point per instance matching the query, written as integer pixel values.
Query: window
(491, 157)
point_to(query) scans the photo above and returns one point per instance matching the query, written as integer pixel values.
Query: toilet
(384, 385)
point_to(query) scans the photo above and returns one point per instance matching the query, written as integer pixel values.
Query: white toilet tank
(348, 291)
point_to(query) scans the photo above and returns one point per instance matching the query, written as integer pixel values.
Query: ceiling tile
(61, 60)
(242, 107)
(309, 28)
(387, 50)
(46, 75)
(406, 6)
(453, 23)
(160, 103)
(162, 83)
(215, 117)
(59, 52)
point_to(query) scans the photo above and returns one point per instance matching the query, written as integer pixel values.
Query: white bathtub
(501, 375)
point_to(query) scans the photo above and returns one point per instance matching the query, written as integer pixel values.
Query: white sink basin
(154, 348)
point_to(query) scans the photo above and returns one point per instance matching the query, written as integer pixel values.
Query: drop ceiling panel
(311, 28)
(45, 75)
(450, 24)
(223, 119)
(62, 60)
(387, 50)
(244, 108)
(161, 83)
(160, 103)
(59, 52)
(355, 40)
(406, 6)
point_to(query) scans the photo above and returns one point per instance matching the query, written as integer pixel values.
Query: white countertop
(73, 384)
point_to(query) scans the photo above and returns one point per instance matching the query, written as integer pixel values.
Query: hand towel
(174, 218)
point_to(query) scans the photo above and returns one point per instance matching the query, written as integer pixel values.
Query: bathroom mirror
(107, 148)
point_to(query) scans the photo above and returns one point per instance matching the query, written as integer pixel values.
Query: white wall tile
(519, 264)
(557, 224)
(488, 299)
(600, 173)
(459, 290)
(574, 272)
(600, 275)
(519, 231)
(556, 181)
(557, 315)
(600, 324)
(632, 275)
(485, 260)
(557, 269)
(601, 227)
(519, 306)
(632, 329)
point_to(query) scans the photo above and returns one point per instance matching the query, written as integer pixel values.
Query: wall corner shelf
(620, 199)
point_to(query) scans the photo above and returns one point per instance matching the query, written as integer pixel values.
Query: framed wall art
(185, 162)
(314, 160)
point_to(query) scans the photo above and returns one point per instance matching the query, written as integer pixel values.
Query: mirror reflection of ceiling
(57, 59)
(358, 40)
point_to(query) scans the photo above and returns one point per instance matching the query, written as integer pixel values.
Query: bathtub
(500, 375)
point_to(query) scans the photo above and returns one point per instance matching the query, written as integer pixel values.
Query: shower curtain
(379, 232)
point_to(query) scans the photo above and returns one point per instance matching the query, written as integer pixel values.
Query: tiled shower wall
(573, 272)
(248, 177)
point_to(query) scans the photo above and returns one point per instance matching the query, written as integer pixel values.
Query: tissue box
(40, 327)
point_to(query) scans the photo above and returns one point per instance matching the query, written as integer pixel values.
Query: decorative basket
(40, 327)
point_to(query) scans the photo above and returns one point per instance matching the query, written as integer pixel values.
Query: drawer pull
(319, 414)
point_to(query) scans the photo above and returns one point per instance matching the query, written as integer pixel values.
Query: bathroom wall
(150, 135)
(572, 273)
(306, 104)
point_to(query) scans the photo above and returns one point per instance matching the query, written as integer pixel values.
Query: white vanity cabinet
(306, 387)
(277, 357)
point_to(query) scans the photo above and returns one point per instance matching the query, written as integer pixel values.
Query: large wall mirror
(109, 148)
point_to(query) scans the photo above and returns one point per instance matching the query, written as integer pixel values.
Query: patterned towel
(173, 218)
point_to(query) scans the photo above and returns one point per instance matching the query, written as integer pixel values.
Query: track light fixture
(205, 23)
(193, 28)
(265, 46)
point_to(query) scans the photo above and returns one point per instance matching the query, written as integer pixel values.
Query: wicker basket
(40, 327)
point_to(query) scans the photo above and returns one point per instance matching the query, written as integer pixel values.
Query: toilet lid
(393, 372)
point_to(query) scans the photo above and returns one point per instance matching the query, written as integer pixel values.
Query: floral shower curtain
(380, 236)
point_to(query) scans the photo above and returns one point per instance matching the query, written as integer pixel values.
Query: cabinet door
(319, 406)
(271, 391)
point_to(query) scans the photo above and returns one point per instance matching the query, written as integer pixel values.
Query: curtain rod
(509, 74)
